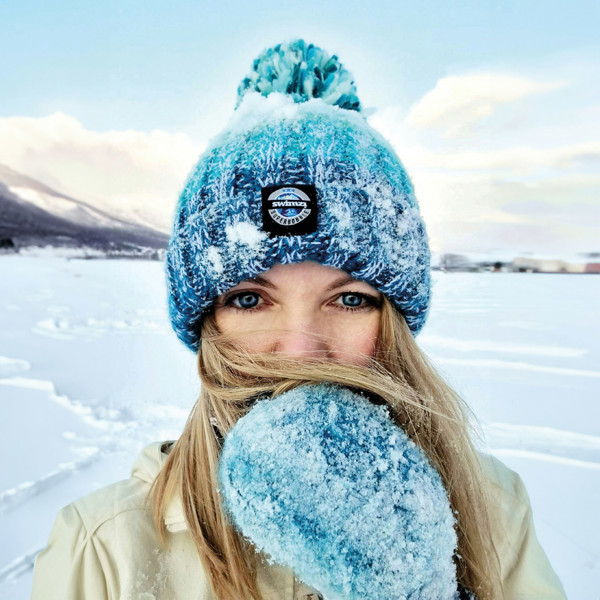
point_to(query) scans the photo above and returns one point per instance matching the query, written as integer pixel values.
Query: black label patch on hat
(289, 209)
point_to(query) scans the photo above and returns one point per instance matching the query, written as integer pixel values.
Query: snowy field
(90, 372)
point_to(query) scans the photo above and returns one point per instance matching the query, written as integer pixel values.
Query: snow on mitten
(322, 481)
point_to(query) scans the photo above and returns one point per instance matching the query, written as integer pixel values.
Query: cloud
(521, 160)
(129, 172)
(457, 102)
(421, 150)
(535, 193)
(508, 241)
(525, 197)
(486, 213)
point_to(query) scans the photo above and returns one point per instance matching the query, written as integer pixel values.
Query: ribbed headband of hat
(297, 175)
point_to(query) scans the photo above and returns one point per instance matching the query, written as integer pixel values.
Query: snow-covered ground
(90, 371)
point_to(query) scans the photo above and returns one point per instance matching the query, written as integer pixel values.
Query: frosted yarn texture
(321, 480)
(303, 71)
(298, 121)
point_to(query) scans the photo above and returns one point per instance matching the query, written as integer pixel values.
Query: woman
(298, 256)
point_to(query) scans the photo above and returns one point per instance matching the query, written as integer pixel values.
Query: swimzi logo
(289, 209)
(288, 206)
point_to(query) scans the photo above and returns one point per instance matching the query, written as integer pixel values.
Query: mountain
(33, 214)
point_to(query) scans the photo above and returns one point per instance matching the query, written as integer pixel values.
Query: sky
(492, 106)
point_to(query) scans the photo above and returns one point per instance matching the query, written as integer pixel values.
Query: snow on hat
(296, 175)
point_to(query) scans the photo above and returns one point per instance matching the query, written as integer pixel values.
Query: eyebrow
(261, 281)
(336, 284)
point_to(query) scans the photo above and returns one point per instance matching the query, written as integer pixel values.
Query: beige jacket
(104, 546)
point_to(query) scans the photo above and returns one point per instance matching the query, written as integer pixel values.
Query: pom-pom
(302, 71)
(322, 481)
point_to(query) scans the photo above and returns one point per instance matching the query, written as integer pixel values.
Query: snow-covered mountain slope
(35, 214)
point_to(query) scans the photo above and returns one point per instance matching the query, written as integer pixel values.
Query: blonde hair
(399, 374)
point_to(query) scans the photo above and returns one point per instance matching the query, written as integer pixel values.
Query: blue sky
(173, 67)
(150, 64)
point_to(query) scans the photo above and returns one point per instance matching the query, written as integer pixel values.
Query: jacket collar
(147, 466)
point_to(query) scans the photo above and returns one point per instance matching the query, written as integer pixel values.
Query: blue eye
(352, 300)
(246, 300)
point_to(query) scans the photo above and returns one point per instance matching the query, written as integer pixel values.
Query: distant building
(592, 268)
(456, 262)
(503, 264)
(523, 264)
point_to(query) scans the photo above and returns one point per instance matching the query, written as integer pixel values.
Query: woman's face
(303, 310)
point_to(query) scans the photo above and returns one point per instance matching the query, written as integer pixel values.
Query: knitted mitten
(324, 482)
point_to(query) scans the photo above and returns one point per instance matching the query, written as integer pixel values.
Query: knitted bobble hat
(296, 175)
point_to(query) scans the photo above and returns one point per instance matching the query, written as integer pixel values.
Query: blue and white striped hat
(297, 174)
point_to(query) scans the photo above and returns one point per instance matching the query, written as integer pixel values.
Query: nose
(302, 337)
